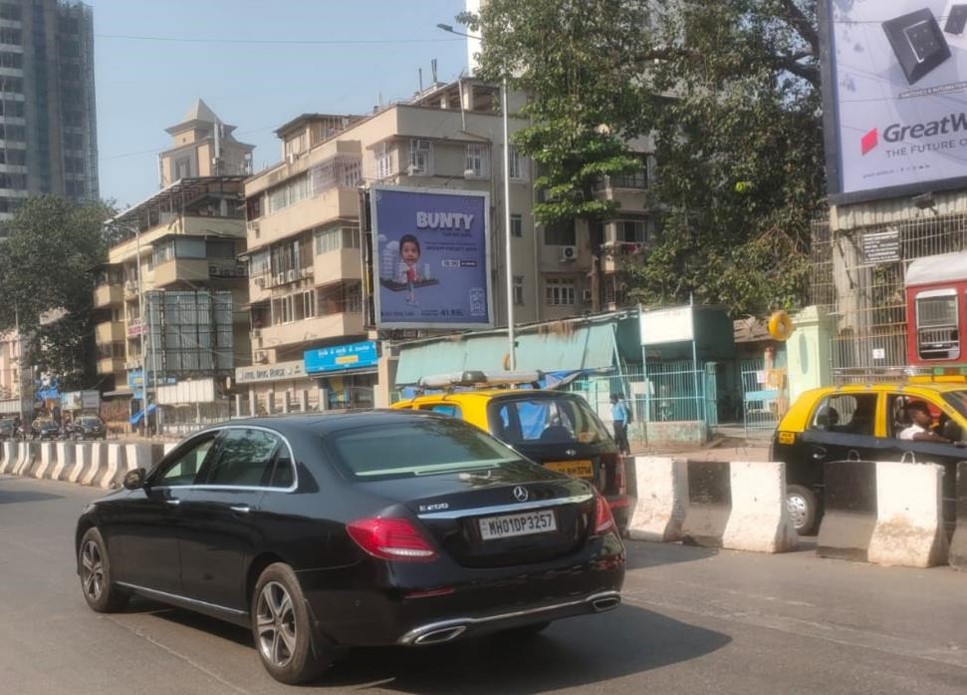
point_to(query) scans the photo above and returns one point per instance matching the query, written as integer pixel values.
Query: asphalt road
(694, 620)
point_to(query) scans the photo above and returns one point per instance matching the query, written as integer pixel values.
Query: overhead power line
(271, 42)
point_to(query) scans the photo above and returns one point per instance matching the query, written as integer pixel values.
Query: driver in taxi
(920, 422)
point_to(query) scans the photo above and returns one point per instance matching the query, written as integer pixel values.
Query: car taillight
(391, 539)
(603, 519)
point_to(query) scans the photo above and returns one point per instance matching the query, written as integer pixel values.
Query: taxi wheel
(801, 503)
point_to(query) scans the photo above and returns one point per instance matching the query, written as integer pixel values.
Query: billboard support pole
(505, 107)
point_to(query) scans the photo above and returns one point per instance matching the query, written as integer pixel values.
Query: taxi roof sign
(479, 378)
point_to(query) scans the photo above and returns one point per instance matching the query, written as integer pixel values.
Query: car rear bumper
(378, 603)
(448, 630)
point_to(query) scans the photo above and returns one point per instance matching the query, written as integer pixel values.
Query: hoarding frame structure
(374, 270)
(831, 128)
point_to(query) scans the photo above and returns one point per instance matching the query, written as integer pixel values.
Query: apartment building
(172, 289)
(48, 129)
(306, 264)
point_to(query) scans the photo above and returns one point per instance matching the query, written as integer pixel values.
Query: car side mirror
(953, 431)
(135, 480)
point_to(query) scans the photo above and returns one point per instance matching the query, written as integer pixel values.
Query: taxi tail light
(609, 463)
(391, 539)
(603, 519)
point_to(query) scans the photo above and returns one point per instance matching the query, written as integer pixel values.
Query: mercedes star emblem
(571, 452)
(520, 493)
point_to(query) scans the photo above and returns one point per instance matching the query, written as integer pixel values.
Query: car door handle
(173, 502)
(240, 508)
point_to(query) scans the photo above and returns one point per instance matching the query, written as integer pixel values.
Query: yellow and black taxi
(921, 419)
(557, 429)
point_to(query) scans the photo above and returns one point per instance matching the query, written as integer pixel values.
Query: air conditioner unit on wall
(260, 357)
(291, 276)
(569, 253)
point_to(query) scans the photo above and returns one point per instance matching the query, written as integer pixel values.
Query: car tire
(94, 568)
(802, 506)
(283, 631)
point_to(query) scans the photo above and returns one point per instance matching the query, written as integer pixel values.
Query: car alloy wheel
(276, 625)
(92, 570)
(797, 510)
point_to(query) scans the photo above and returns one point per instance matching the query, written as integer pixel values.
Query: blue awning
(136, 418)
(584, 347)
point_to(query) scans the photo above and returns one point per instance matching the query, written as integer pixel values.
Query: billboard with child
(431, 258)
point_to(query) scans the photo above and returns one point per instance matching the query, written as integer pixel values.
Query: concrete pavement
(695, 620)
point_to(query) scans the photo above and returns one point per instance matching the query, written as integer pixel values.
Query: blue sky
(144, 86)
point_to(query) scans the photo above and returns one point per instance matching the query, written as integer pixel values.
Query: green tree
(729, 92)
(47, 281)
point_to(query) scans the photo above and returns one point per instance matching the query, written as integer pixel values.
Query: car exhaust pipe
(606, 603)
(440, 636)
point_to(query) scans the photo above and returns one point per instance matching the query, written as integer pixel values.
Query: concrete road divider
(158, 452)
(98, 461)
(958, 544)
(885, 512)
(709, 503)
(137, 456)
(9, 457)
(114, 467)
(22, 453)
(46, 462)
(82, 460)
(662, 492)
(65, 452)
(760, 520)
(30, 455)
(850, 510)
(909, 529)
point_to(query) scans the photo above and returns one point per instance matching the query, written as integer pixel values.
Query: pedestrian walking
(619, 416)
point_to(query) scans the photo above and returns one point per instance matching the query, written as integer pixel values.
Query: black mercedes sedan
(377, 528)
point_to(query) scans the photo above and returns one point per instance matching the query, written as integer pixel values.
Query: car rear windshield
(89, 421)
(561, 420)
(417, 448)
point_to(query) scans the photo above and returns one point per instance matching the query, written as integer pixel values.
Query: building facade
(172, 290)
(48, 127)
(306, 261)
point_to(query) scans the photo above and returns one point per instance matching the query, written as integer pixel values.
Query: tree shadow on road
(571, 653)
(10, 495)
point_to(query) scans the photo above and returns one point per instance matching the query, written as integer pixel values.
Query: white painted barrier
(137, 456)
(98, 462)
(46, 460)
(64, 460)
(25, 459)
(909, 528)
(759, 520)
(114, 467)
(662, 491)
(9, 457)
(82, 460)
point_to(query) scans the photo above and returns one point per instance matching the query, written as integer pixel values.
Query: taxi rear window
(546, 421)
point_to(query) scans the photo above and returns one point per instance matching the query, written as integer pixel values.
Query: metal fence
(867, 297)
(663, 392)
(765, 394)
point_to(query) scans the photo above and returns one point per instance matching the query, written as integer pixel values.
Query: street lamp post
(508, 265)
